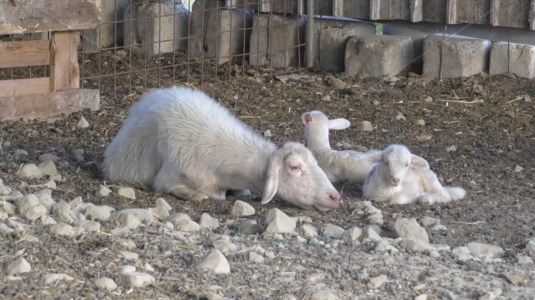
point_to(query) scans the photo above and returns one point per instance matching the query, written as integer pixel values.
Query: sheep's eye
(387, 164)
(406, 165)
(295, 168)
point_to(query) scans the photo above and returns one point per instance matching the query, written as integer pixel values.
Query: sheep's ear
(419, 162)
(339, 124)
(272, 177)
(307, 118)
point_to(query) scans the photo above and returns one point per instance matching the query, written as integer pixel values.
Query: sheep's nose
(335, 197)
(395, 181)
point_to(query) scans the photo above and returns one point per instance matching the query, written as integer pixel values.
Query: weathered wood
(24, 86)
(531, 17)
(64, 69)
(510, 13)
(416, 10)
(44, 106)
(25, 16)
(24, 54)
(390, 10)
(434, 10)
(473, 11)
(358, 9)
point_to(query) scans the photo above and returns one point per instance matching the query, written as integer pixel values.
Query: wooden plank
(24, 86)
(25, 16)
(64, 68)
(510, 13)
(470, 12)
(48, 105)
(434, 10)
(24, 54)
(417, 10)
(531, 17)
(390, 10)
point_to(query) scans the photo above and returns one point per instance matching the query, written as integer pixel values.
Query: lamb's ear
(419, 162)
(272, 177)
(307, 118)
(339, 124)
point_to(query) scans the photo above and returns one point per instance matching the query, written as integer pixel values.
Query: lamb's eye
(387, 164)
(406, 165)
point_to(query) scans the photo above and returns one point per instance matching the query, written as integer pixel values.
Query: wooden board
(25, 16)
(510, 13)
(470, 12)
(49, 105)
(24, 54)
(24, 86)
(390, 10)
(64, 69)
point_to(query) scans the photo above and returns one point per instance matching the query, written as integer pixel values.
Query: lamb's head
(294, 175)
(317, 126)
(396, 161)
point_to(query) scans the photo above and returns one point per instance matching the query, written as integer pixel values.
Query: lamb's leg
(401, 198)
(186, 193)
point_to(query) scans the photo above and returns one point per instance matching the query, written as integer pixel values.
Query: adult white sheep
(402, 178)
(181, 141)
(338, 165)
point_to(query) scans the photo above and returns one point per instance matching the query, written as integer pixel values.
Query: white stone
(332, 231)
(138, 279)
(377, 282)
(125, 269)
(20, 152)
(47, 220)
(428, 221)
(45, 198)
(143, 215)
(366, 126)
(64, 213)
(400, 117)
(250, 227)
(48, 168)
(451, 148)
(55, 278)
(421, 297)
(524, 260)
(352, 235)
(410, 228)
(62, 229)
(30, 207)
(420, 122)
(82, 123)
(308, 230)
(519, 59)
(161, 210)
(105, 283)
(417, 245)
(127, 244)
(4, 189)
(372, 235)
(485, 250)
(267, 133)
(90, 226)
(242, 209)
(225, 246)
(279, 222)
(462, 254)
(19, 227)
(9, 208)
(178, 218)
(103, 191)
(324, 295)
(98, 213)
(127, 192)
(255, 257)
(383, 246)
(492, 295)
(78, 155)
(48, 156)
(18, 266)
(208, 221)
(518, 168)
(129, 255)
(530, 248)
(30, 171)
(187, 226)
(214, 261)
(6, 230)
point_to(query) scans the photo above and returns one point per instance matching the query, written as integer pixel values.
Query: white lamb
(338, 165)
(401, 178)
(181, 141)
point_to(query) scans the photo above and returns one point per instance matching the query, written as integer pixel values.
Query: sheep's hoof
(427, 200)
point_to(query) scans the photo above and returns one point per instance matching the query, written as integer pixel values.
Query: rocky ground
(68, 233)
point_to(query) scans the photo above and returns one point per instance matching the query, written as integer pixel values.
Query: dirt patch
(489, 120)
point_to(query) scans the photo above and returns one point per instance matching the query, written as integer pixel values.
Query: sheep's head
(397, 160)
(294, 175)
(317, 126)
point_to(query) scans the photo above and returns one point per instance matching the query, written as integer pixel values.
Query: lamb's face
(316, 126)
(396, 162)
(303, 183)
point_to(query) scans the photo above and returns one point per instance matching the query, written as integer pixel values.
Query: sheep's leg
(402, 199)
(170, 180)
(186, 193)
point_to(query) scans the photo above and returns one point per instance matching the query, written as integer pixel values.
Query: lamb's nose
(395, 181)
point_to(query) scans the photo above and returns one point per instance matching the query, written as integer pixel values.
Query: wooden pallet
(59, 93)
